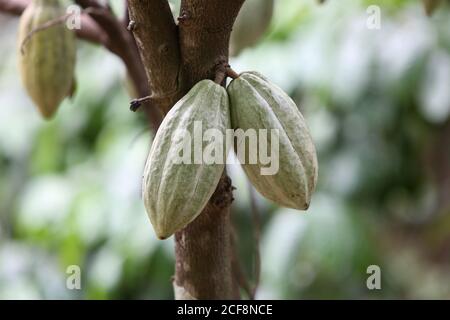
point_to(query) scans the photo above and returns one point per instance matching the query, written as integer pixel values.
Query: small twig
(256, 237)
(231, 73)
(184, 16)
(224, 70)
(136, 103)
(131, 25)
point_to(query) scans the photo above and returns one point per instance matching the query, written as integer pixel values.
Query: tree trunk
(203, 253)
(176, 57)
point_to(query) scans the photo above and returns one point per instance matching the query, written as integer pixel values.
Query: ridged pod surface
(47, 56)
(256, 103)
(175, 193)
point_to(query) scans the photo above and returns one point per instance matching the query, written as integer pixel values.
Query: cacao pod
(175, 193)
(47, 56)
(256, 103)
(251, 23)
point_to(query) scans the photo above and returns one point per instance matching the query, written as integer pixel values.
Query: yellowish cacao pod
(257, 104)
(47, 56)
(176, 192)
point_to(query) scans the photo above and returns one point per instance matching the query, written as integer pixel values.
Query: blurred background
(376, 98)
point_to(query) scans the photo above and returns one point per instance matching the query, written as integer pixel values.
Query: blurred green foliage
(378, 105)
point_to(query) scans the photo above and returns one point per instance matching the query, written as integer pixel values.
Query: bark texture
(203, 250)
(156, 34)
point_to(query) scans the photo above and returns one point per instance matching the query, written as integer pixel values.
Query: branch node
(131, 25)
(163, 49)
(184, 17)
(231, 73)
(221, 70)
(136, 103)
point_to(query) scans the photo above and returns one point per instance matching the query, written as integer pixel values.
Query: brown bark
(205, 28)
(156, 34)
(203, 250)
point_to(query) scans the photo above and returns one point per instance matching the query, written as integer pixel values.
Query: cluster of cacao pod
(47, 53)
(175, 193)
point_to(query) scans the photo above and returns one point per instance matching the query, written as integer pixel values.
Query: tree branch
(14, 7)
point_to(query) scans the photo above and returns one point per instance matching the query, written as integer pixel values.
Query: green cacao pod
(176, 190)
(251, 23)
(257, 104)
(47, 56)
